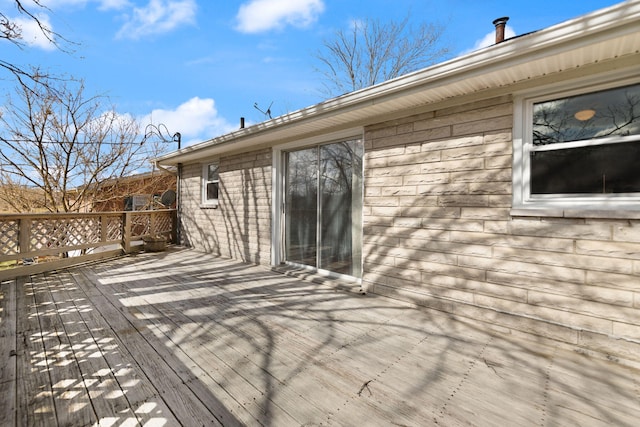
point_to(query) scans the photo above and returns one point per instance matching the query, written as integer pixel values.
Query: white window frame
(205, 202)
(562, 205)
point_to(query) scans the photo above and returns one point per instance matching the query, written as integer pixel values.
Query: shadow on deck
(184, 338)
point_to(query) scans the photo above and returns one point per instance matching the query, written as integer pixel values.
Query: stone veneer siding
(240, 227)
(439, 231)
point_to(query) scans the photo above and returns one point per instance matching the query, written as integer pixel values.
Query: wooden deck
(182, 338)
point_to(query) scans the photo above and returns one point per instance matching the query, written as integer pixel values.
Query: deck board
(8, 369)
(184, 338)
(35, 406)
(66, 358)
(113, 361)
(169, 325)
(160, 368)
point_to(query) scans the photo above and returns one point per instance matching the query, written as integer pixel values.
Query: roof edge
(618, 19)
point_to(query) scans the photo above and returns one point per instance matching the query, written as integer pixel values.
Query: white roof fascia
(617, 25)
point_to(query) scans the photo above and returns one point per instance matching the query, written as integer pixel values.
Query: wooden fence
(33, 243)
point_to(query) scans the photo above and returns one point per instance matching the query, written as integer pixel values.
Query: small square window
(210, 184)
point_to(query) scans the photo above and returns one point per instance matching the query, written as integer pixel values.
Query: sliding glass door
(323, 207)
(301, 207)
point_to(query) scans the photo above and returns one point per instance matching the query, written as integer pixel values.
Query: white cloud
(112, 4)
(196, 119)
(102, 4)
(490, 39)
(52, 4)
(32, 34)
(263, 15)
(157, 17)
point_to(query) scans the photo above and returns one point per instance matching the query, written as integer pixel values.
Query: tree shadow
(243, 345)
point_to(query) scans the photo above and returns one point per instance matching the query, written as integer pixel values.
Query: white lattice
(9, 233)
(114, 228)
(60, 233)
(140, 225)
(162, 223)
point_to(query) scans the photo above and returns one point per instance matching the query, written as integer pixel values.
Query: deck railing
(28, 241)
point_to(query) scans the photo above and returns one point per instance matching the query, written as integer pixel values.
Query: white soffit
(605, 35)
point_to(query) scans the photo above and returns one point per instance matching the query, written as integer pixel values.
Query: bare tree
(371, 52)
(11, 31)
(63, 146)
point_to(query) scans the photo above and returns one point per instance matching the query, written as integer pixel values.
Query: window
(210, 184)
(581, 150)
(137, 203)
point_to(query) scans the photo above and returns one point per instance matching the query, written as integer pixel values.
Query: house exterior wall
(240, 227)
(439, 231)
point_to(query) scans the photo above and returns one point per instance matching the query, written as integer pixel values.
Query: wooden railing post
(24, 235)
(126, 232)
(152, 223)
(174, 228)
(103, 228)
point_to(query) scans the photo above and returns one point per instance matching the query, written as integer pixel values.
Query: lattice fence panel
(162, 223)
(114, 228)
(9, 237)
(140, 225)
(60, 233)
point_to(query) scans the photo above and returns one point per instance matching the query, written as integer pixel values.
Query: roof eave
(486, 66)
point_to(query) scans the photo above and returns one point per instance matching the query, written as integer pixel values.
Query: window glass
(607, 113)
(599, 169)
(340, 165)
(302, 206)
(141, 202)
(212, 172)
(587, 144)
(211, 183)
(323, 207)
(212, 191)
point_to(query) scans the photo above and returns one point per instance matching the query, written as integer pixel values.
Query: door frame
(278, 190)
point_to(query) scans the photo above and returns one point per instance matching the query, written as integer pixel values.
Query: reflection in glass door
(301, 206)
(323, 207)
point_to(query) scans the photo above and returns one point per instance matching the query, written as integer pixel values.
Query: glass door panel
(338, 162)
(301, 206)
(323, 207)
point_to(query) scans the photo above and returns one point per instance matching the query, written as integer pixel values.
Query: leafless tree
(371, 52)
(12, 32)
(63, 145)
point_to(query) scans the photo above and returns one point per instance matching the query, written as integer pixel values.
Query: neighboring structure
(133, 193)
(502, 186)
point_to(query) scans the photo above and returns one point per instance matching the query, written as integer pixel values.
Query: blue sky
(197, 66)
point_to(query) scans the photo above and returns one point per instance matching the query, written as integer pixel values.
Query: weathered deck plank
(64, 360)
(8, 369)
(35, 406)
(108, 368)
(155, 365)
(217, 342)
(180, 325)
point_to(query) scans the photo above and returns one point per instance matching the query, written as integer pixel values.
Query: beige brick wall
(439, 231)
(240, 227)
